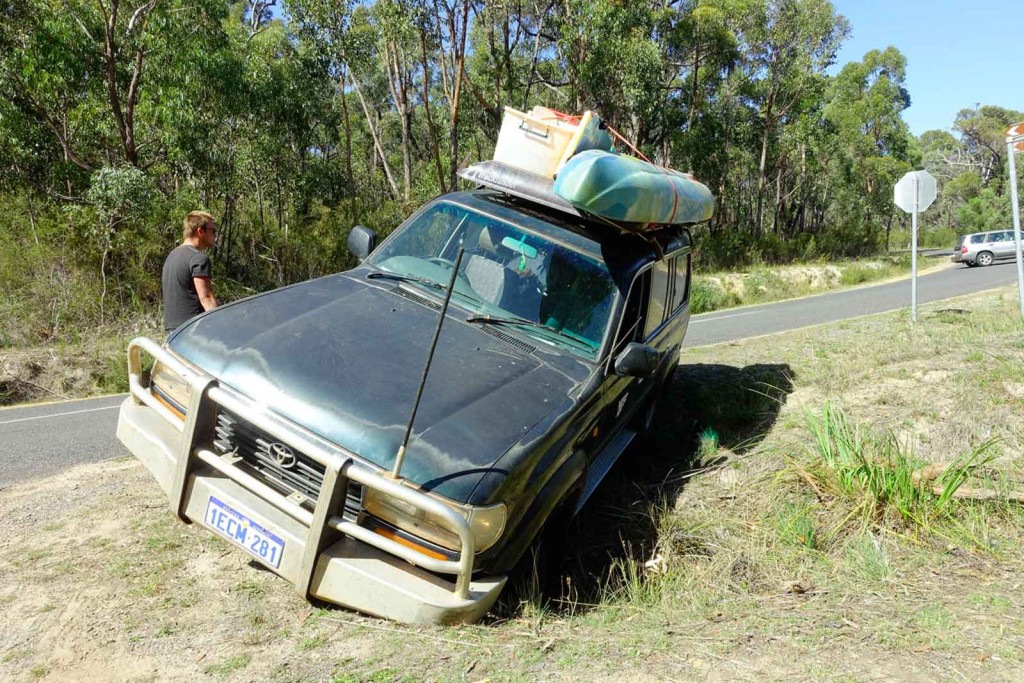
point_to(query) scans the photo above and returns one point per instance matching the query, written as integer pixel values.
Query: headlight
(171, 388)
(486, 523)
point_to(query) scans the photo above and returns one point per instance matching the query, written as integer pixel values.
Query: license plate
(245, 532)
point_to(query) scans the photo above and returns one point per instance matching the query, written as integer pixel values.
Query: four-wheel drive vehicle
(275, 421)
(984, 248)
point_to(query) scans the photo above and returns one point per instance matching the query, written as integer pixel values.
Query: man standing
(186, 274)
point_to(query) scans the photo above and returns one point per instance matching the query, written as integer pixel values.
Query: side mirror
(637, 360)
(361, 241)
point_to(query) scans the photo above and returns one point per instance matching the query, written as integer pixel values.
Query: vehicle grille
(299, 475)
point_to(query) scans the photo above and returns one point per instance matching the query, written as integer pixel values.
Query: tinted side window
(660, 281)
(633, 315)
(997, 237)
(682, 281)
(977, 239)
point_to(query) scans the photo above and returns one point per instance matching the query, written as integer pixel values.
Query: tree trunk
(376, 141)
(459, 61)
(761, 179)
(778, 200)
(347, 122)
(802, 213)
(434, 147)
(399, 94)
(124, 116)
(693, 89)
(533, 62)
(32, 217)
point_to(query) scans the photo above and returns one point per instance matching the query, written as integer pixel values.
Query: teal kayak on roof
(628, 190)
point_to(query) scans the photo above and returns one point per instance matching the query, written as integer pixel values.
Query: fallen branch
(20, 380)
(806, 477)
(982, 494)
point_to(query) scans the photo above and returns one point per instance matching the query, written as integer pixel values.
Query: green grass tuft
(796, 525)
(878, 474)
(229, 665)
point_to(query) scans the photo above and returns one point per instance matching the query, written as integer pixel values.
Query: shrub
(705, 296)
(877, 473)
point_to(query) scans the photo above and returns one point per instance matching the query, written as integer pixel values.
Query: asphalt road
(752, 321)
(40, 440)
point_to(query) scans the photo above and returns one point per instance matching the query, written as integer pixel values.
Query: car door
(1005, 245)
(623, 394)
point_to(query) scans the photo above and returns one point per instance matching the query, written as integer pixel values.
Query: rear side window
(660, 281)
(998, 237)
(682, 281)
(977, 239)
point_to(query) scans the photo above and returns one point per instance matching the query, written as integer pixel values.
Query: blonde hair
(193, 221)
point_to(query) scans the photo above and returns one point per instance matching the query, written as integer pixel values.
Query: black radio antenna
(400, 457)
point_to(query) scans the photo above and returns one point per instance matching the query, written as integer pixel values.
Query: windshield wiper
(523, 322)
(406, 278)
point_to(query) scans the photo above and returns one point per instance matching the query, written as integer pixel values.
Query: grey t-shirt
(181, 301)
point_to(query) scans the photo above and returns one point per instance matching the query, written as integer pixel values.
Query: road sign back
(924, 184)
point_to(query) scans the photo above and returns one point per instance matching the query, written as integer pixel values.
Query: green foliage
(987, 211)
(878, 474)
(705, 297)
(796, 525)
(291, 127)
(123, 194)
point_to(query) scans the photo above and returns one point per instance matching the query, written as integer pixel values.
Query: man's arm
(204, 289)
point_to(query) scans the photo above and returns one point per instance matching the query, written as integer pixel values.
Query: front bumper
(324, 556)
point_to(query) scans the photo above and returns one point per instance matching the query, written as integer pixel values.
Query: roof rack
(518, 183)
(537, 189)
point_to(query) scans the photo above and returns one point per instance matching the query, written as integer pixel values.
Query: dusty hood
(343, 357)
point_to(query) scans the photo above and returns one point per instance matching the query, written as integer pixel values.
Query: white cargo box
(533, 143)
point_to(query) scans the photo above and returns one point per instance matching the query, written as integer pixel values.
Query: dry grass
(721, 552)
(761, 284)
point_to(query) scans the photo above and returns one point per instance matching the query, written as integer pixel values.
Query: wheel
(984, 258)
(538, 575)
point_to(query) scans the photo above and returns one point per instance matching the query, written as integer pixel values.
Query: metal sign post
(1015, 142)
(914, 193)
(913, 253)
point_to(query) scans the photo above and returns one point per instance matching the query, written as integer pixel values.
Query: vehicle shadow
(620, 523)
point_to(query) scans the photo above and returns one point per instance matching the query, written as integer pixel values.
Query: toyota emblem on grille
(282, 455)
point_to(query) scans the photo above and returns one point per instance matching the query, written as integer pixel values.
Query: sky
(959, 52)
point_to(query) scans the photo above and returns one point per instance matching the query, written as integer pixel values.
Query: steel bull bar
(316, 529)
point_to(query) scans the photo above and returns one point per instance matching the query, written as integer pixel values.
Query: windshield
(538, 287)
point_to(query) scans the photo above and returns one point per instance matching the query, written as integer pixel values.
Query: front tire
(537, 577)
(984, 258)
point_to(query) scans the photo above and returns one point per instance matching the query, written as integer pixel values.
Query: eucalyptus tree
(96, 74)
(789, 45)
(865, 105)
(983, 130)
